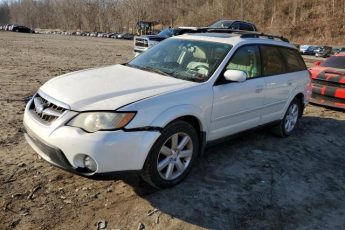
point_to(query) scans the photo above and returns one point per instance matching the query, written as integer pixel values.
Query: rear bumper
(328, 101)
(328, 92)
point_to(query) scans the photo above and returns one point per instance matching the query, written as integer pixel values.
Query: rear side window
(293, 59)
(246, 26)
(272, 61)
(235, 26)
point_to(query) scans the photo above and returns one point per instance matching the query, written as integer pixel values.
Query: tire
(175, 163)
(292, 115)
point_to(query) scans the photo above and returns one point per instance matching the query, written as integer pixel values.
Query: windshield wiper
(155, 70)
(150, 69)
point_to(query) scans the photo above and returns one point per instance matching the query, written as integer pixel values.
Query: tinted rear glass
(245, 26)
(337, 62)
(272, 61)
(293, 59)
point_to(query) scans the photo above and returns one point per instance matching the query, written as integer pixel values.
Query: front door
(237, 105)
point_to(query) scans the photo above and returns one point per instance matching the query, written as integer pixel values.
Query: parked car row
(17, 28)
(320, 51)
(114, 35)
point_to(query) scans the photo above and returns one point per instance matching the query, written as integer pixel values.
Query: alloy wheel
(174, 156)
(291, 118)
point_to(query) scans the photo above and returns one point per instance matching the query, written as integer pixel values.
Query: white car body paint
(220, 109)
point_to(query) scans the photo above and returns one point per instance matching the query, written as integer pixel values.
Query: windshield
(166, 33)
(337, 62)
(183, 59)
(222, 24)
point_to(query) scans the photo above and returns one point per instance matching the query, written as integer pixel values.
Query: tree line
(300, 20)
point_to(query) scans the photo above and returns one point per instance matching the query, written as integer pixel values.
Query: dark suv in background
(233, 24)
(142, 43)
(324, 51)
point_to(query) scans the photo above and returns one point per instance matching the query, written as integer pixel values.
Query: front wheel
(286, 126)
(172, 155)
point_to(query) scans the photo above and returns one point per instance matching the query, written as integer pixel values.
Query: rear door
(237, 105)
(280, 66)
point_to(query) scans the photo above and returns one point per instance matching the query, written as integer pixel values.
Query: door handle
(258, 90)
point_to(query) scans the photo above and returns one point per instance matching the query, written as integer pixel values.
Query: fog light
(90, 163)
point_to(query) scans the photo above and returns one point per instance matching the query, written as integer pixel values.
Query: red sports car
(328, 82)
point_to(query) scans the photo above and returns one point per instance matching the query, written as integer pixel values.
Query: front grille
(141, 42)
(46, 111)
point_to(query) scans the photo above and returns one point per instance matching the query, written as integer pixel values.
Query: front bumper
(140, 49)
(53, 155)
(66, 147)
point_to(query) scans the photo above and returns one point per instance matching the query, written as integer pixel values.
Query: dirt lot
(256, 181)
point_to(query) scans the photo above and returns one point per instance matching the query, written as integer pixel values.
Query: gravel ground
(256, 181)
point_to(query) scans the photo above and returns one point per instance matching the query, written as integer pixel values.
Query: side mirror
(235, 75)
(317, 63)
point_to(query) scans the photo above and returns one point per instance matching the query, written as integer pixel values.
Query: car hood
(152, 37)
(109, 88)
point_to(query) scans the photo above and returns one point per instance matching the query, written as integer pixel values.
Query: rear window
(293, 60)
(272, 61)
(337, 62)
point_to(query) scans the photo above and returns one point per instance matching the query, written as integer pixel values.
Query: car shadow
(261, 181)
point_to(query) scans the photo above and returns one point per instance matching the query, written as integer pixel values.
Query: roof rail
(269, 36)
(243, 33)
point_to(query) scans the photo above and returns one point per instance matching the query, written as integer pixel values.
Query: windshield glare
(166, 33)
(337, 62)
(183, 59)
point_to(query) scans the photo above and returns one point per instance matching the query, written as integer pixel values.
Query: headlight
(96, 121)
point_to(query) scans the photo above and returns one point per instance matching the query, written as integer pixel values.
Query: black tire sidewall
(150, 166)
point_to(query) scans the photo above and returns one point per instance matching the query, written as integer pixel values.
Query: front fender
(175, 112)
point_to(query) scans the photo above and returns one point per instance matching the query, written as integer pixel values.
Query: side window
(293, 59)
(247, 27)
(246, 59)
(235, 26)
(272, 61)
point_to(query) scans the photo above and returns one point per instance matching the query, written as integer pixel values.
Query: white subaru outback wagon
(156, 113)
